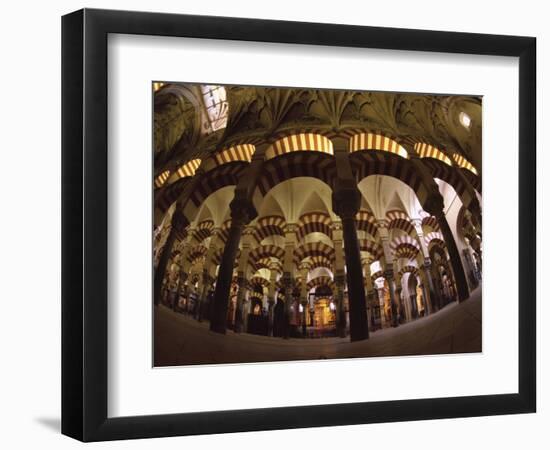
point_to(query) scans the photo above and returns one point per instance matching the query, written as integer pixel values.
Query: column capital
(242, 211)
(339, 280)
(388, 274)
(290, 228)
(179, 221)
(336, 226)
(241, 280)
(346, 201)
(417, 222)
(434, 205)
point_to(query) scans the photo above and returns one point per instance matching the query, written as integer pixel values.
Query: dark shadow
(53, 423)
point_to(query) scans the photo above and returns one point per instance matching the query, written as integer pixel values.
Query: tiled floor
(181, 340)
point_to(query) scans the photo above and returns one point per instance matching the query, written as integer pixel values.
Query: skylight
(216, 106)
(465, 119)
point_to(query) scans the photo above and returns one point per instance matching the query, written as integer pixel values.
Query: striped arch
(366, 222)
(474, 180)
(226, 175)
(376, 275)
(197, 253)
(435, 239)
(365, 164)
(241, 152)
(370, 141)
(314, 222)
(313, 249)
(269, 226)
(161, 179)
(449, 175)
(186, 170)
(259, 281)
(224, 231)
(399, 220)
(371, 247)
(431, 222)
(464, 163)
(300, 142)
(256, 295)
(164, 198)
(203, 230)
(433, 235)
(238, 152)
(268, 263)
(366, 260)
(405, 247)
(218, 254)
(429, 151)
(266, 251)
(300, 164)
(408, 269)
(321, 281)
(320, 261)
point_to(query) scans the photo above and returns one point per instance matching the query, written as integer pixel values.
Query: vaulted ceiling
(263, 114)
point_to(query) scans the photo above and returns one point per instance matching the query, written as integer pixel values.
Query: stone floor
(181, 340)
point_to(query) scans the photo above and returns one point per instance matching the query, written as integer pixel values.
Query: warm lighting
(215, 103)
(370, 141)
(465, 119)
(301, 308)
(332, 306)
(157, 86)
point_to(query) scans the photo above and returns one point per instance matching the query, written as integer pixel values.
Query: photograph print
(307, 223)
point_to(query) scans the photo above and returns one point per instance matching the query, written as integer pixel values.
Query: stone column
(433, 301)
(304, 270)
(403, 311)
(202, 308)
(456, 261)
(372, 296)
(346, 200)
(288, 274)
(339, 278)
(388, 274)
(248, 234)
(271, 298)
(433, 295)
(287, 289)
(435, 205)
(339, 297)
(241, 293)
(179, 222)
(242, 212)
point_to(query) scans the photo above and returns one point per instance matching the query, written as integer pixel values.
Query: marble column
(202, 309)
(346, 200)
(242, 212)
(241, 293)
(288, 274)
(433, 302)
(287, 289)
(178, 224)
(339, 280)
(388, 274)
(271, 298)
(456, 261)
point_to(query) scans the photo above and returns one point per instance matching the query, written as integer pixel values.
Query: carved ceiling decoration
(258, 115)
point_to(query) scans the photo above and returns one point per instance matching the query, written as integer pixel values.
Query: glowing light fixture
(465, 119)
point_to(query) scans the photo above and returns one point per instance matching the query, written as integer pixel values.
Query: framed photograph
(273, 225)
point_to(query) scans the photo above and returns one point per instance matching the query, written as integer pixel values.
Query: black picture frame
(84, 224)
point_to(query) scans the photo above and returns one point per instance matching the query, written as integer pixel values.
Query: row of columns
(346, 201)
